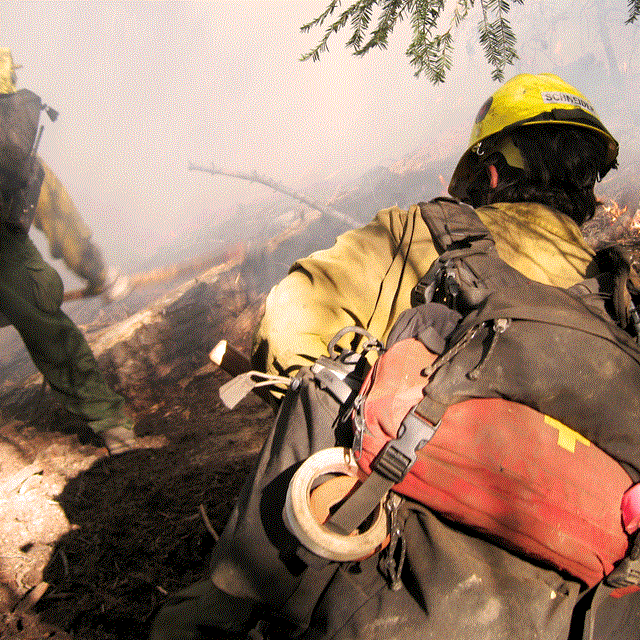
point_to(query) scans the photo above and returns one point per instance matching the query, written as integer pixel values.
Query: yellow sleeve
(365, 280)
(68, 235)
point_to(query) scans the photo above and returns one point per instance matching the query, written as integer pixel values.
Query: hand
(114, 286)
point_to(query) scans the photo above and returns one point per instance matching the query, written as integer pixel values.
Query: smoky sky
(145, 88)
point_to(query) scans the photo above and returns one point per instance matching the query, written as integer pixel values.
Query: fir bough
(496, 36)
(431, 48)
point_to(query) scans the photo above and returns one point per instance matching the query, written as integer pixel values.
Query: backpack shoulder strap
(468, 268)
(454, 225)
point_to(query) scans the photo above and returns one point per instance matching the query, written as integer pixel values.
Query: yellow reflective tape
(567, 438)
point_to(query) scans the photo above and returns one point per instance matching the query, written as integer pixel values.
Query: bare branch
(207, 523)
(254, 177)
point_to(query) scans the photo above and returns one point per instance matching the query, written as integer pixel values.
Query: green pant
(31, 293)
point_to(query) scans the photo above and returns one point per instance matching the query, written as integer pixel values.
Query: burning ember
(615, 223)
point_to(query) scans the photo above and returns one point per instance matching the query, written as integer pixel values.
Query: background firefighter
(56, 215)
(31, 294)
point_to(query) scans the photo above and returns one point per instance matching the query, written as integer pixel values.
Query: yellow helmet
(7, 72)
(522, 101)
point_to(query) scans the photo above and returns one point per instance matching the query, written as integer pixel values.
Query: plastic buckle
(398, 456)
(626, 574)
(452, 286)
(425, 289)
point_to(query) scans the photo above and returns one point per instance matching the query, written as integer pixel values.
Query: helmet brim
(466, 167)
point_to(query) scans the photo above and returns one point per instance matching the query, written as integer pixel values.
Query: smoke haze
(145, 88)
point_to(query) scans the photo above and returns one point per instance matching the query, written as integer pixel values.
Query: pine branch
(430, 50)
(461, 12)
(319, 21)
(336, 26)
(360, 24)
(391, 13)
(634, 11)
(429, 54)
(497, 37)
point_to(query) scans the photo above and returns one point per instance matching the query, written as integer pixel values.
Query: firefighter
(31, 294)
(537, 149)
(56, 215)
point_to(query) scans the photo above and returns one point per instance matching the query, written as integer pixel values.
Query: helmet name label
(559, 97)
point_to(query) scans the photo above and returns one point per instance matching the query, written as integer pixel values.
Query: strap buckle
(627, 573)
(398, 456)
(425, 289)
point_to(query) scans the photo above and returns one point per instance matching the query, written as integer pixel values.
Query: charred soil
(91, 544)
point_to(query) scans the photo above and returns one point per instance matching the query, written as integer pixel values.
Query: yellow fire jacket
(68, 235)
(366, 278)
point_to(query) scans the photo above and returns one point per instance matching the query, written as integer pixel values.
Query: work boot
(117, 434)
(118, 439)
(114, 432)
(199, 611)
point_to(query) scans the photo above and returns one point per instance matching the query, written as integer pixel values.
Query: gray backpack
(21, 174)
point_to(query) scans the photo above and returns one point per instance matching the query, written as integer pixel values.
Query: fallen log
(170, 273)
(171, 339)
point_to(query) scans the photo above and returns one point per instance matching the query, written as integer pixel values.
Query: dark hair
(563, 162)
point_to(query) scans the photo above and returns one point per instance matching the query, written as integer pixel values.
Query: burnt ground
(90, 545)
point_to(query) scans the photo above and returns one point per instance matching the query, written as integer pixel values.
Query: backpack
(495, 394)
(487, 489)
(19, 118)
(21, 174)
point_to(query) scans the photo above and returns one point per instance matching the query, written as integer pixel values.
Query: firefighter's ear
(493, 175)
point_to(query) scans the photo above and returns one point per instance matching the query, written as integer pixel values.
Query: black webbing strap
(467, 249)
(355, 510)
(455, 227)
(389, 468)
(462, 239)
(626, 574)
(457, 232)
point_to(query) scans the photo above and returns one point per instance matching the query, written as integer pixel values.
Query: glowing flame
(630, 227)
(613, 210)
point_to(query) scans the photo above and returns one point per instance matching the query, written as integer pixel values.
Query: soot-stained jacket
(366, 278)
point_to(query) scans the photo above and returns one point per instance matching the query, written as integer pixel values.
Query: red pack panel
(504, 469)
